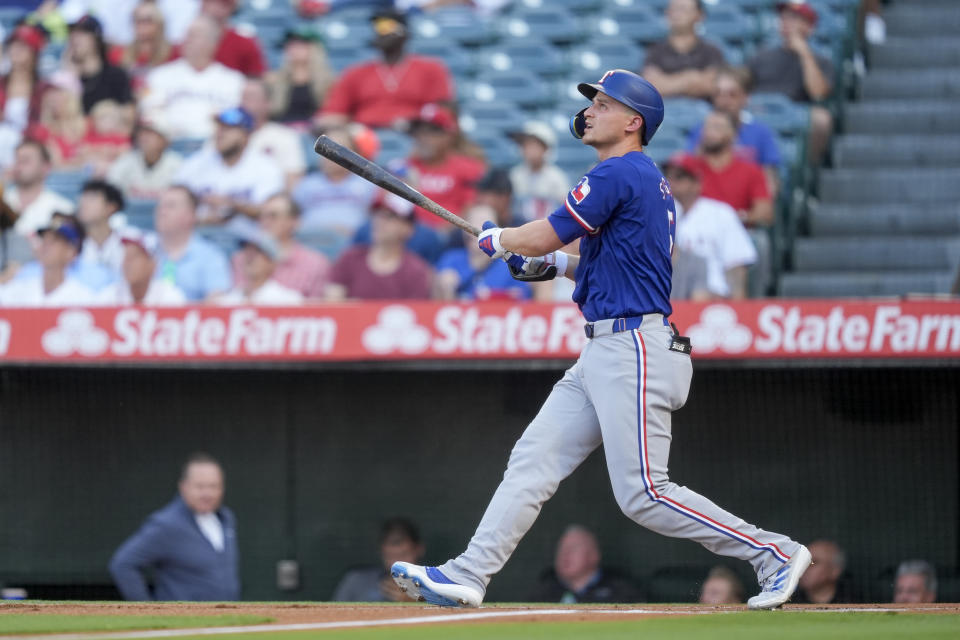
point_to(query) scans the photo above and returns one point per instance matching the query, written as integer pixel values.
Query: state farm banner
(494, 330)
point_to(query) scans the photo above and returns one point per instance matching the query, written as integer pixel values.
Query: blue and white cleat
(428, 584)
(778, 588)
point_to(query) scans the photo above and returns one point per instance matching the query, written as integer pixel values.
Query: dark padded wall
(316, 458)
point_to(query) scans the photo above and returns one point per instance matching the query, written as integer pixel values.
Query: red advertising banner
(496, 330)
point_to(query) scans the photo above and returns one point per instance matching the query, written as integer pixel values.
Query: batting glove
(539, 269)
(489, 240)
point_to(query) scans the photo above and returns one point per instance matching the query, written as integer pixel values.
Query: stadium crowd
(185, 139)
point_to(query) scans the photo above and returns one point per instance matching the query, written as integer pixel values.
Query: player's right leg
(562, 435)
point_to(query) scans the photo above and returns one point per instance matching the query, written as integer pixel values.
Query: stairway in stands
(888, 218)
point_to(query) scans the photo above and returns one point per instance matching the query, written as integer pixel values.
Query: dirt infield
(300, 613)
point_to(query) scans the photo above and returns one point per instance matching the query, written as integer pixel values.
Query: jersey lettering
(582, 190)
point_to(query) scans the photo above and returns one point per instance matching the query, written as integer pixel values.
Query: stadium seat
(639, 23)
(67, 183)
(329, 243)
(849, 285)
(500, 116)
(459, 24)
(574, 6)
(393, 146)
(354, 30)
(897, 151)
(884, 218)
(186, 146)
(520, 87)
(728, 24)
(530, 54)
(139, 213)
(340, 59)
(500, 151)
(924, 187)
(222, 237)
(457, 59)
(684, 113)
(666, 143)
(555, 24)
(780, 113)
(591, 60)
(877, 253)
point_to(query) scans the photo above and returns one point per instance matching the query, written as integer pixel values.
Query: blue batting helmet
(627, 88)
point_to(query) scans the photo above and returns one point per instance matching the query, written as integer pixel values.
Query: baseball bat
(379, 176)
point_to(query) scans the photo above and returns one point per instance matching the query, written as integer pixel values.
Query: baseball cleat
(778, 588)
(428, 584)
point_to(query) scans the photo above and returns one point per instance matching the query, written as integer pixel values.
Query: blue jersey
(624, 211)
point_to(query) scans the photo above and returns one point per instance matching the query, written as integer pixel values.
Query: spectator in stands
(755, 140)
(399, 542)
(684, 64)
(108, 136)
(689, 279)
(577, 575)
(823, 582)
(794, 70)
(874, 26)
(257, 256)
(51, 285)
(391, 92)
(276, 141)
(192, 89)
(726, 177)
(231, 180)
(28, 196)
(239, 51)
(297, 267)
(185, 566)
(149, 47)
(439, 172)
(148, 168)
(98, 202)
(539, 186)
(495, 190)
(916, 582)
(140, 284)
(87, 53)
(386, 269)
(710, 229)
(334, 199)
(722, 586)
(195, 265)
(62, 126)
(21, 87)
(298, 87)
(467, 273)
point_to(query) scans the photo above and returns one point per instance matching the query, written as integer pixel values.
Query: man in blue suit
(190, 545)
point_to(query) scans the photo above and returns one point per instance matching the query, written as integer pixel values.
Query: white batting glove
(489, 240)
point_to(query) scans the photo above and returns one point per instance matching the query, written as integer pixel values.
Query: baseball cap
(260, 240)
(539, 130)
(146, 240)
(388, 22)
(437, 116)
(684, 162)
(235, 117)
(801, 8)
(496, 181)
(392, 203)
(67, 228)
(89, 24)
(33, 36)
(301, 34)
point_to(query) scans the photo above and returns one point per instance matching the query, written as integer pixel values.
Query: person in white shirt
(711, 229)
(99, 201)
(274, 140)
(538, 185)
(51, 286)
(28, 196)
(195, 87)
(149, 168)
(230, 179)
(139, 284)
(258, 258)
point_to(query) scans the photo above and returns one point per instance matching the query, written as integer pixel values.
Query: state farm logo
(719, 328)
(396, 330)
(75, 332)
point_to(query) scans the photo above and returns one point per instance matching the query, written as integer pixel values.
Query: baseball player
(631, 375)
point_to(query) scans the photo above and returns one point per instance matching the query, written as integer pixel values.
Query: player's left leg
(636, 382)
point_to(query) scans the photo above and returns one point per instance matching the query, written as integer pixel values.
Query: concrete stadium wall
(316, 458)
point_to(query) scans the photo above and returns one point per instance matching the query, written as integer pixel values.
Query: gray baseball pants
(621, 392)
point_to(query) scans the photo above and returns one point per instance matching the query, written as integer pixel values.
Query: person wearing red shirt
(727, 177)
(446, 177)
(388, 92)
(237, 51)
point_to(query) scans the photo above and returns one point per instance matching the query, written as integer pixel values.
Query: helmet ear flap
(578, 124)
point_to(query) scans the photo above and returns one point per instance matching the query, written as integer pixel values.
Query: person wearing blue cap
(231, 179)
(52, 285)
